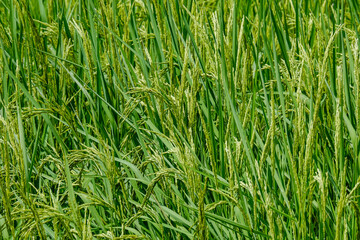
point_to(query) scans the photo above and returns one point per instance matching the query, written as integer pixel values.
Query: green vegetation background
(146, 119)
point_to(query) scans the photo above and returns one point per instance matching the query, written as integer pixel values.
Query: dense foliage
(179, 119)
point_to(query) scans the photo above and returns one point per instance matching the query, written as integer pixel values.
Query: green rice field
(179, 119)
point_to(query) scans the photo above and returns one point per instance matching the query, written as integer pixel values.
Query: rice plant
(179, 119)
